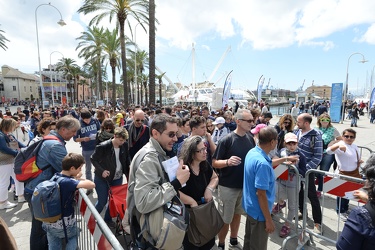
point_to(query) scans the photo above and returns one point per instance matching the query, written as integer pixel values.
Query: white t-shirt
(346, 161)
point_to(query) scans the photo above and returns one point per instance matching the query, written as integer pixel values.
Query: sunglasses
(139, 120)
(108, 128)
(249, 121)
(325, 120)
(171, 134)
(286, 122)
(349, 136)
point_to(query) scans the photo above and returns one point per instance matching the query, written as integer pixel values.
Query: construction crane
(269, 80)
(301, 88)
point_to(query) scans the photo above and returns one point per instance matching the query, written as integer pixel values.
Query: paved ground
(18, 219)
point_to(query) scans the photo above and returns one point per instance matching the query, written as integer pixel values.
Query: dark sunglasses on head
(349, 136)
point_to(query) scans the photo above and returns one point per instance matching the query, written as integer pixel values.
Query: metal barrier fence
(334, 184)
(282, 173)
(93, 231)
(365, 153)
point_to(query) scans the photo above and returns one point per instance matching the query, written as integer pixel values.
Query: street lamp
(135, 63)
(345, 94)
(50, 63)
(61, 23)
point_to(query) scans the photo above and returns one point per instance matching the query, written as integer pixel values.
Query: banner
(372, 98)
(226, 90)
(336, 102)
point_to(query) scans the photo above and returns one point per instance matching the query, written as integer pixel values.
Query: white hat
(219, 120)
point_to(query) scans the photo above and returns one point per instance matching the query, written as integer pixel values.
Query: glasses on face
(249, 121)
(171, 134)
(349, 136)
(291, 143)
(202, 150)
(108, 128)
(325, 120)
(138, 120)
(286, 122)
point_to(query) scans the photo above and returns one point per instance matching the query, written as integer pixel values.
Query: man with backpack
(49, 158)
(149, 187)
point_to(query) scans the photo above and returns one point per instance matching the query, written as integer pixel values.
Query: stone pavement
(18, 218)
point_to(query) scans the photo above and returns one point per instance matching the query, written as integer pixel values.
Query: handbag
(355, 173)
(205, 223)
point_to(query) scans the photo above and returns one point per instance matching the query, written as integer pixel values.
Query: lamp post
(61, 23)
(50, 63)
(345, 94)
(135, 64)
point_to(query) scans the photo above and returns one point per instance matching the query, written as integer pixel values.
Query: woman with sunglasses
(330, 135)
(202, 182)
(348, 160)
(285, 125)
(107, 128)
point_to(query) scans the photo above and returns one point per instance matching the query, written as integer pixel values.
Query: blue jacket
(88, 130)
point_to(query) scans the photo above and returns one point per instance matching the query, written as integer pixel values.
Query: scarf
(104, 135)
(133, 135)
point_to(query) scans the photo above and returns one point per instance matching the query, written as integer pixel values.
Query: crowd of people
(224, 155)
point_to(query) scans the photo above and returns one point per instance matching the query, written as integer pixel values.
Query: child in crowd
(286, 189)
(72, 166)
(220, 131)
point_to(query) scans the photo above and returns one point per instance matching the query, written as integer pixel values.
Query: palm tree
(152, 49)
(83, 82)
(144, 80)
(68, 65)
(3, 39)
(91, 50)
(141, 59)
(120, 9)
(111, 46)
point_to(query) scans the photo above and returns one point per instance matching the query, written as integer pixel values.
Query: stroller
(117, 207)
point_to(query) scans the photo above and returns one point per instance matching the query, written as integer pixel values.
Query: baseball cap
(258, 127)
(219, 120)
(290, 137)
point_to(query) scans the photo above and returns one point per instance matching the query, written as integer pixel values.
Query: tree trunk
(152, 51)
(123, 59)
(113, 86)
(160, 94)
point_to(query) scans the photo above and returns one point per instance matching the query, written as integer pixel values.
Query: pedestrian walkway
(18, 219)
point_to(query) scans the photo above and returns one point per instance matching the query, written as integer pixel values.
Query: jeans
(38, 237)
(87, 155)
(325, 165)
(344, 205)
(372, 118)
(102, 188)
(354, 121)
(56, 236)
(315, 204)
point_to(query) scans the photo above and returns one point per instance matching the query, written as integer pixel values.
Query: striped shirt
(310, 145)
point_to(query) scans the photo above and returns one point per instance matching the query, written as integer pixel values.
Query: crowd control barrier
(336, 185)
(282, 172)
(93, 232)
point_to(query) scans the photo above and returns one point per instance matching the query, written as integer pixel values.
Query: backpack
(25, 166)
(46, 200)
(165, 227)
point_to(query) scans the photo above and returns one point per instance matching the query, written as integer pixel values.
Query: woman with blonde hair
(330, 135)
(9, 147)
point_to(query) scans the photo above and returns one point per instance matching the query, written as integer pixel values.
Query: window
(14, 88)
(2, 87)
(31, 89)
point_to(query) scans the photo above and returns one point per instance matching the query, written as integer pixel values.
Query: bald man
(139, 133)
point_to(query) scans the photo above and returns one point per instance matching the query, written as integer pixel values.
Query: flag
(372, 98)
(226, 90)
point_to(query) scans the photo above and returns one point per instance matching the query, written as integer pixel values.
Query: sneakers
(277, 208)
(21, 199)
(343, 216)
(317, 228)
(285, 231)
(7, 205)
(238, 246)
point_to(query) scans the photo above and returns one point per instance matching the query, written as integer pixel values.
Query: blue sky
(287, 41)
